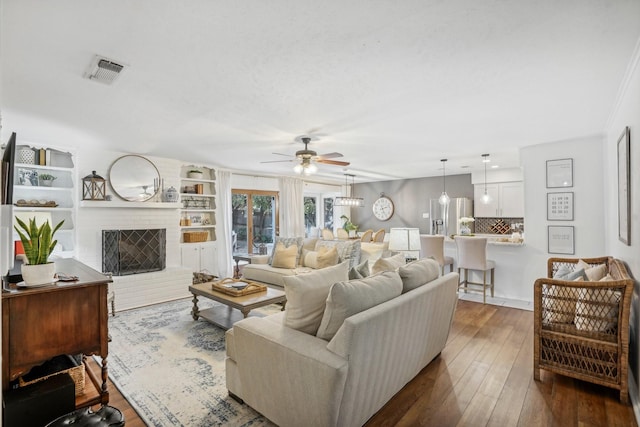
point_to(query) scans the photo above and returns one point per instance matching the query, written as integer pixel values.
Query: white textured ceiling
(393, 85)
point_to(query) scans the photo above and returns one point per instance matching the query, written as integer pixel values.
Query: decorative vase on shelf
(465, 230)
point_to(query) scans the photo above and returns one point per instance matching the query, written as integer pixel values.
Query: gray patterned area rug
(171, 368)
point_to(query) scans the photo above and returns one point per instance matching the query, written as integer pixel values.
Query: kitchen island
(511, 258)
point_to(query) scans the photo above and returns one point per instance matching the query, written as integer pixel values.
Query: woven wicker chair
(581, 328)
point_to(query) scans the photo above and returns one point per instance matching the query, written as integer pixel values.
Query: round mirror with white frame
(134, 178)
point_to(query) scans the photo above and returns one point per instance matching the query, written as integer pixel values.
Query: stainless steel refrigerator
(444, 219)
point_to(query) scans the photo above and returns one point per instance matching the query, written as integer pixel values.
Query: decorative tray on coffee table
(237, 287)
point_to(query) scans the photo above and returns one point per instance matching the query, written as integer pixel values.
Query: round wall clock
(383, 208)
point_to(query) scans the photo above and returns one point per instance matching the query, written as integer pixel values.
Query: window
(254, 229)
(310, 215)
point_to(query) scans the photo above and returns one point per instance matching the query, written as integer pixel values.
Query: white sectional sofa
(260, 270)
(297, 378)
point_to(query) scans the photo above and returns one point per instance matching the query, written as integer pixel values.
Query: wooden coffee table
(226, 317)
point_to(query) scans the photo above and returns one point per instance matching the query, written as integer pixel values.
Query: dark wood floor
(484, 377)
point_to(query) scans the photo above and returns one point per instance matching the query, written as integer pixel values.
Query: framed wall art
(560, 206)
(624, 194)
(559, 173)
(561, 239)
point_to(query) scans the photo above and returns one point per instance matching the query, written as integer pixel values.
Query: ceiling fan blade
(333, 162)
(279, 161)
(280, 154)
(330, 155)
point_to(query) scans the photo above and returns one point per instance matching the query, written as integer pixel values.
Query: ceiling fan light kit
(308, 158)
(350, 201)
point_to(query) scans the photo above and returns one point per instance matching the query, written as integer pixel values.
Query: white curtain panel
(291, 207)
(223, 220)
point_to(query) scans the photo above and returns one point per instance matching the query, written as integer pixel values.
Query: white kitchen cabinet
(200, 257)
(507, 200)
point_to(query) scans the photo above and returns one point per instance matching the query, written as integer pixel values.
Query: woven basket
(195, 236)
(76, 372)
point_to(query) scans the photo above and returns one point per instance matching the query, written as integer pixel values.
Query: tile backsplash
(493, 225)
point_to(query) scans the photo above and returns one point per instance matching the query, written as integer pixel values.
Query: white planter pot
(196, 175)
(38, 274)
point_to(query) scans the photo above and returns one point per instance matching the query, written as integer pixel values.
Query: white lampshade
(405, 240)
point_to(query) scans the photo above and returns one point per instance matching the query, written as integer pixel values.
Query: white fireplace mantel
(123, 204)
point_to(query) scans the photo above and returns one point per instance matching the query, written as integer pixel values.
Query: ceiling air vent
(103, 70)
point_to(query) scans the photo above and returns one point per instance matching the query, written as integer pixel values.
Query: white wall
(627, 113)
(138, 289)
(587, 187)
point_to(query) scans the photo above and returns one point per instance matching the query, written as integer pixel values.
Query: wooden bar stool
(472, 255)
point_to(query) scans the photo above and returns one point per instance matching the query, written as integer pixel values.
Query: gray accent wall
(410, 198)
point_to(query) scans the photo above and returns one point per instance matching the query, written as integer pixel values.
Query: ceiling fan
(307, 158)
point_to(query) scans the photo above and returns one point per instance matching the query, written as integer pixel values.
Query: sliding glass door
(255, 220)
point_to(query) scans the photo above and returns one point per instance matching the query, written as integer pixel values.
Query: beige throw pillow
(284, 257)
(597, 310)
(388, 264)
(594, 273)
(307, 294)
(417, 273)
(350, 297)
(322, 258)
(559, 304)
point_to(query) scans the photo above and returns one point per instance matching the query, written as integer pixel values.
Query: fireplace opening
(127, 252)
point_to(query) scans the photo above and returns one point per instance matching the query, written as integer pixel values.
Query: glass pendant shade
(486, 198)
(444, 198)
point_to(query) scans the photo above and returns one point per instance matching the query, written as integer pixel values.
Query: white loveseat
(260, 270)
(295, 378)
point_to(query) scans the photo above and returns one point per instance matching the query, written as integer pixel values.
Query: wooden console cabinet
(64, 318)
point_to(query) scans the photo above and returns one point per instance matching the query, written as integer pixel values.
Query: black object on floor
(106, 416)
(39, 403)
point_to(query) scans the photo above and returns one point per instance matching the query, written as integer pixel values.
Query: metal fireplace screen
(133, 251)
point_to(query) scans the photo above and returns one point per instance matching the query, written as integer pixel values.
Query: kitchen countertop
(496, 239)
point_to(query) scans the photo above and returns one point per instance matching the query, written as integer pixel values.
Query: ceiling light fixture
(351, 201)
(444, 197)
(305, 167)
(486, 198)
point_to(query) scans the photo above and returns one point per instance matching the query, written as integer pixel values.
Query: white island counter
(511, 258)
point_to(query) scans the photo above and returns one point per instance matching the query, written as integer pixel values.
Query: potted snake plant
(38, 244)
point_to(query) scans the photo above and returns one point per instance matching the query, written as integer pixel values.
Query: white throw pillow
(388, 264)
(417, 273)
(307, 294)
(350, 297)
(597, 309)
(371, 251)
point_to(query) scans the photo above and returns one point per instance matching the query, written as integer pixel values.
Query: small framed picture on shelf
(196, 219)
(560, 206)
(559, 173)
(28, 177)
(561, 239)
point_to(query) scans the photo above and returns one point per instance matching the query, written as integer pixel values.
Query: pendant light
(444, 197)
(486, 198)
(352, 200)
